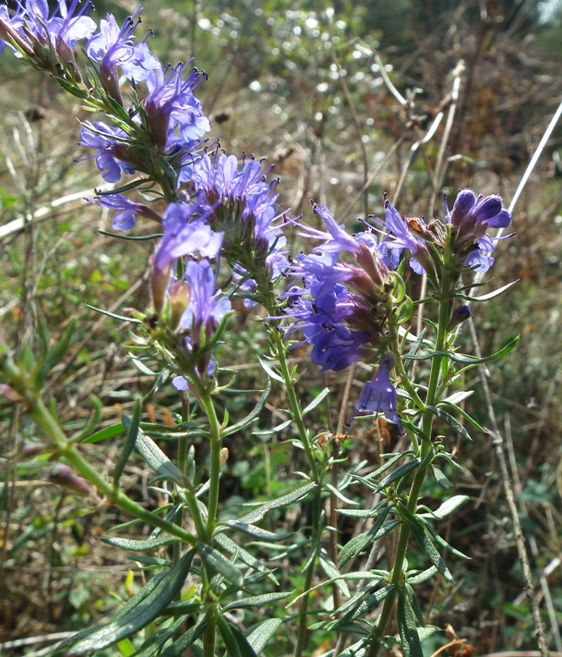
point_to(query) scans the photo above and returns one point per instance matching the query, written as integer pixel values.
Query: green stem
(69, 452)
(215, 465)
(303, 611)
(417, 483)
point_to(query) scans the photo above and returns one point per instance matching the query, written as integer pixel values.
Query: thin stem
(417, 483)
(215, 465)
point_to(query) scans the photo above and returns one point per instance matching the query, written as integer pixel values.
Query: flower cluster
(341, 306)
(463, 234)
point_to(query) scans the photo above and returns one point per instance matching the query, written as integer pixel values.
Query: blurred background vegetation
(348, 100)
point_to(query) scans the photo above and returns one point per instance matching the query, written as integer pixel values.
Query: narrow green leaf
(185, 641)
(260, 635)
(448, 507)
(467, 359)
(155, 457)
(450, 420)
(122, 190)
(411, 644)
(270, 371)
(420, 534)
(422, 577)
(257, 514)
(105, 434)
(141, 367)
(54, 356)
(443, 543)
(244, 556)
(121, 318)
(257, 600)
(226, 631)
(414, 603)
(253, 415)
(490, 295)
(218, 563)
(153, 645)
(129, 445)
(363, 608)
(160, 382)
(440, 478)
(358, 543)
(258, 532)
(244, 646)
(391, 461)
(332, 571)
(466, 416)
(141, 545)
(316, 401)
(358, 649)
(277, 429)
(131, 238)
(138, 616)
(78, 92)
(402, 472)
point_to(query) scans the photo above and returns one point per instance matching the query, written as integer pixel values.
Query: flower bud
(62, 475)
(224, 456)
(460, 315)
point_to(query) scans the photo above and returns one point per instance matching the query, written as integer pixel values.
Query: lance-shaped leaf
(261, 634)
(54, 355)
(450, 420)
(466, 358)
(258, 514)
(440, 478)
(490, 295)
(155, 457)
(420, 534)
(405, 617)
(358, 543)
(257, 600)
(243, 555)
(331, 570)
(141, 545)
(133, 427)
(219, 564)
(186, 640)
(253, 415)
(235, 642)
(121, 318)
(160, 382)
(144, 610)
(258, 532)
(316, 401)
(153, 645)
(466, 416)
(401, 472)
(363, 608)
(448, 507)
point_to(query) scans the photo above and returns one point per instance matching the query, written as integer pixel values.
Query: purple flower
(206, 307)
(379, 396)
(185, 232)
(400, 237)
(174, 115)
(470, 219)
(127, 211)
(114, 47)
(244, 208)
(38, 35)
(342, 306)
(113, 156)
(335, 240)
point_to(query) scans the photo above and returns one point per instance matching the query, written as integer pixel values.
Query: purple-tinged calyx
(114, 47)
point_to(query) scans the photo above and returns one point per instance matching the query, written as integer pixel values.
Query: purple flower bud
(62, 475)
